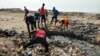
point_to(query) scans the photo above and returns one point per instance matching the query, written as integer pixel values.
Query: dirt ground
(9, 20)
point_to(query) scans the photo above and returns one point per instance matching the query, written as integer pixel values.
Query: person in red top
(43, 14)
(65, 22)
(39, 36)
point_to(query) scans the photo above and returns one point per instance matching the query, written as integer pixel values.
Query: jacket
(40, 33)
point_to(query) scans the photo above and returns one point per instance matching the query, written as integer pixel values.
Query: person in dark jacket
(37, 18)
(55, 13)
(30, 21)
(39, 37)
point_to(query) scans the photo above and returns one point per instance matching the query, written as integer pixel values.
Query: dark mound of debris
(86, 32)
(9, 48)
(8, 32)
(56, 48)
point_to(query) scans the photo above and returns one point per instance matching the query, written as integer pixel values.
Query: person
(55, 15)
(43, 14)
(29, 20)
(37, 18)
(65, 22)
(26, 12)
(39, 36)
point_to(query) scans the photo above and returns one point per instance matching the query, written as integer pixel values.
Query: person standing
(43, 14)
(37, 18)
(55, 13)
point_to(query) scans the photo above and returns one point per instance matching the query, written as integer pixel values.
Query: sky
(92, 6)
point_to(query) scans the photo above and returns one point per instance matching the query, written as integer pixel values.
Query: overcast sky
(61, 5)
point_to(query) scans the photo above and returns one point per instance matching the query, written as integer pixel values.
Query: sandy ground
(13, 20)
(10, 20)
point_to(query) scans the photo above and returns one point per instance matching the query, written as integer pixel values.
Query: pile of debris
(8, 32)
(56, 48)
(67, 49)
(86, 32)
(78, 30)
